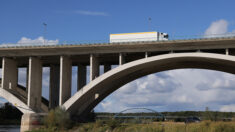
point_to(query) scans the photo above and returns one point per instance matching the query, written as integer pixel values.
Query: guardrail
(95, 42)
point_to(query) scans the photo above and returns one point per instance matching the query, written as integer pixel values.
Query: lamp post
(44, 33)
(150, 23)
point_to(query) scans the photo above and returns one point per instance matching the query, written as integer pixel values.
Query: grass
(205, 126)
(115, 126)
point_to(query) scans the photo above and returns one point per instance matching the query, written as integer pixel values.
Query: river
(9, 128)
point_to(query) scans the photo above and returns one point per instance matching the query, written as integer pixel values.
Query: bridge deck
(108, 51)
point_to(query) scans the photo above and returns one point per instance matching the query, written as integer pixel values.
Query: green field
(59, 120)
(114, 126)
(205, 126)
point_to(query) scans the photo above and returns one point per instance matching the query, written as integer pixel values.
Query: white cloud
(228, 108)
(24, 41)
(91, 13)
(108, 106)
(39, 40)
(174, 90)
(217, 27)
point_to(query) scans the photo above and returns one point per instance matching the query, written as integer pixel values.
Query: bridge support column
(35, 84)
(9, 74)
(31, 121)
(94, 67)
(27, 78)
(227, 51)
(146, 54)
(81, 76)
(54, 86)
(65, 79)
(107, 67)
(121, 59)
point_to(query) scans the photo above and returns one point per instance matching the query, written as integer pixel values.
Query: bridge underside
(18, 98)
(134, 60)
(93, 93)
(13, 99)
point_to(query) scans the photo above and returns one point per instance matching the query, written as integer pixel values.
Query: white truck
(140, 36)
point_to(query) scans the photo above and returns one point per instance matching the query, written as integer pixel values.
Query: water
(9, 128)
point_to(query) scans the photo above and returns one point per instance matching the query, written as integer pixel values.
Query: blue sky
(93, 21)
(90, 20)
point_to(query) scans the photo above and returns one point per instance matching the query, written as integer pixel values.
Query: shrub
(57, 119)
(99, 123)
(113, 124)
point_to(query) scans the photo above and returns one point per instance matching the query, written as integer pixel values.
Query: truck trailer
(140, 36)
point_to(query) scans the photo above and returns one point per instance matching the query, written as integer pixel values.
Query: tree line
(9, 115)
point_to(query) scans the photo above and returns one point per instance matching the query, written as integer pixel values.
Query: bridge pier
(54, 86)
(121, 59)
(146, 55)
(81, 78)
(27, 78)
(35, 84)
(65, 79)
(227, 51)
(31, 121)
(94, 67)
(107, 67)
(9, 73)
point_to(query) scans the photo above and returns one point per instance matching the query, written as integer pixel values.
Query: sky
(90, 21)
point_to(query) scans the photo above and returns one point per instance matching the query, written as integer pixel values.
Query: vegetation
(178, 116)
(106, 126)
(57, 119)
(9, 115)
(160, 127)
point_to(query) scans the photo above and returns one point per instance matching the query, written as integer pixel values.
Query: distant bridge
(157, 115)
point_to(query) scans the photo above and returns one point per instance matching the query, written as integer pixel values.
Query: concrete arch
(15, 101)
(90, 95)
(18, 98)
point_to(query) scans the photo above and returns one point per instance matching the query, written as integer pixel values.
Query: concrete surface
(54, 86)
(107, 83)
(141, 58)
(107, 67)
(31, 121)
(121, 59)
(65, 79)
(57, 50)
(81, 76)
(15, 101)
(9, 73)
(94, 67)
(35, 84)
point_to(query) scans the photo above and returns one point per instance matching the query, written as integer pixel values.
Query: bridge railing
(93, 42)
(209, 36)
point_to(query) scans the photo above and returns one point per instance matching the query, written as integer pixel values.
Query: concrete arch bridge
(135, 60)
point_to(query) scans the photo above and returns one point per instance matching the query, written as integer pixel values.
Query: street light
(44, 33)
(150, 23)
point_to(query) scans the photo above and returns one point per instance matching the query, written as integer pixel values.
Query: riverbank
(9, 128)
(113, 126)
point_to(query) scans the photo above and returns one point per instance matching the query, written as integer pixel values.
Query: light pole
(150, 23)
(44, 33)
